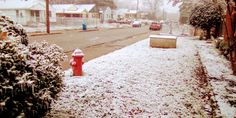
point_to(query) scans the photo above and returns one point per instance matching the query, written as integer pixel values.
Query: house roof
(104, 9)
(62, 7)
(132, 12)
(122, 11)
(87, 7)
(71, 8)
(22, 4)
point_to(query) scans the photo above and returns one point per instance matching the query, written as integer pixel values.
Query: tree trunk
(218, 30)
(233, 17)
(208, 35)
(194, 31)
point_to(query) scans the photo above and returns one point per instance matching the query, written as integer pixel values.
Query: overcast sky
(133, 3)
(169, 7)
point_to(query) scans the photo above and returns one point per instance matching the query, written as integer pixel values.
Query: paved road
(95, 43)
(69, 40)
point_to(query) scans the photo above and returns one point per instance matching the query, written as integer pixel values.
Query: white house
(106, 14)
(26, 12)
(131, 14)
(119, 14)
(78, 11)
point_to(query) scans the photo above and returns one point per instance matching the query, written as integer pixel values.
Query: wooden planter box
(161, 41)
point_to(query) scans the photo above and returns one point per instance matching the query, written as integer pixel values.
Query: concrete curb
(42, 34)
(89, 30)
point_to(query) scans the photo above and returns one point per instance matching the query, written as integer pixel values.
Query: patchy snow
(136, 81)
(220, 73)
(71, 8)
(52, 28)
(113, 25)
(209, 54)
(38, 28)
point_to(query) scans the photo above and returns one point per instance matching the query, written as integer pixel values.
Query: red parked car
(155, 26)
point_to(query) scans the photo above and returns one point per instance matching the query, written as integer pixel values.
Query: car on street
(155, 26)
(136, 24)
(124, 21)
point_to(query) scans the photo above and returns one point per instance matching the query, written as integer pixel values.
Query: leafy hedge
(207, 15)
(30, 76)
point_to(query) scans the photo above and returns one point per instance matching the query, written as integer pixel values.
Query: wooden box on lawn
(163, 41)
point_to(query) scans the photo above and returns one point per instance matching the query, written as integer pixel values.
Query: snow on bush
(30, 76)
(206, 16)
(14, 30)
(46, 59)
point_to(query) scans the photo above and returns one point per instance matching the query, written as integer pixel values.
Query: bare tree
(154, 6)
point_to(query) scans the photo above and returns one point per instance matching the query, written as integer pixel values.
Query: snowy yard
(138, 81)
(223, 83)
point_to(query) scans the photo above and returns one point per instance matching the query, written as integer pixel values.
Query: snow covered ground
(137, 81)
(221, 79)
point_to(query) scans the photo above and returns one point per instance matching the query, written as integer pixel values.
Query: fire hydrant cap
(78, 53)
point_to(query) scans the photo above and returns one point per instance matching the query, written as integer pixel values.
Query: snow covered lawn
(137, 81)
(221, 79)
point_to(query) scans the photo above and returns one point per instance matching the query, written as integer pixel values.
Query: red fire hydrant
(77, 62)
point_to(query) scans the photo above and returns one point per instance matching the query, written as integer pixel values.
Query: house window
(37, 13)
(21, 15)
(31, 13)
(17, 13)
(34, 13)
(68, 15)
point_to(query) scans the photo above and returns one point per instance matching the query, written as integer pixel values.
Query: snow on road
(76, 27)
(136, 81)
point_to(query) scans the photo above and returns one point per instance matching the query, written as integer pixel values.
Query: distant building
(26, 12)
(106, 14)
(78, 11)
(100, 3)
(131, 14)
(119, 14)
(134, 14)
(143, 15)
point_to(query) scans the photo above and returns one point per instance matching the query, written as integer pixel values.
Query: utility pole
(163, 14)
(137, 5)
(47, 16)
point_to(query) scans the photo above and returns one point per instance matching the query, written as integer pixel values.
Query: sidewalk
(139, 81)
